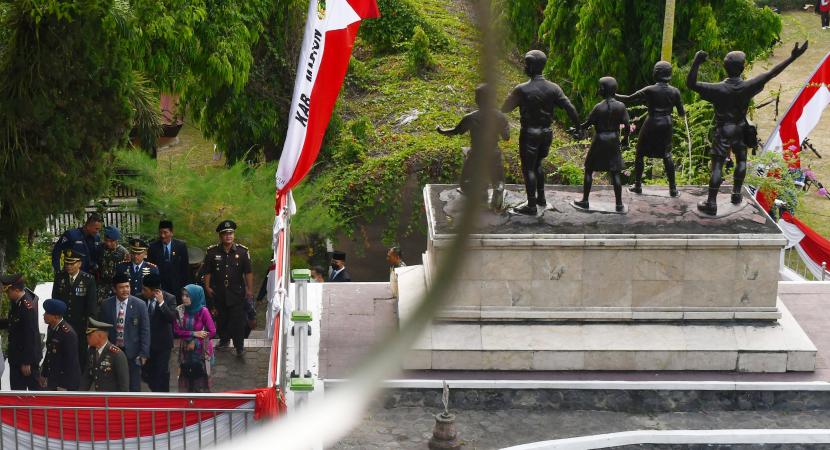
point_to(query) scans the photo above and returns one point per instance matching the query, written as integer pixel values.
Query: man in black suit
(161, 308)
(338, 267)
(170, 255)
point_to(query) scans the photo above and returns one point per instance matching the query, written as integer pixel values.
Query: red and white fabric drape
(812, 247)
(132, 422)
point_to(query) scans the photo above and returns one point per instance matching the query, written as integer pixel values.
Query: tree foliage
(588, 39)
(521, 19)
(66, 81)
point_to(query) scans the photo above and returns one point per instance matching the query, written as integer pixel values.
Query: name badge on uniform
(218, 257)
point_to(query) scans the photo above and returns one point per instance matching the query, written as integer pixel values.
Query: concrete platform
(658, 262)
(759, 346)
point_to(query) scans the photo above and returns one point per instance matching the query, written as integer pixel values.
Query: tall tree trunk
(668, 31)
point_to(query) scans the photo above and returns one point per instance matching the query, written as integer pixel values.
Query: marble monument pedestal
(657, 288)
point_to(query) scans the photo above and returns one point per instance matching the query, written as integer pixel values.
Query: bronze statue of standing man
(536, 99)
(731, 98)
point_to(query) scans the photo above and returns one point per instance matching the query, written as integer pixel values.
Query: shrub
(396, 25)
(418, 57)
(34, 261)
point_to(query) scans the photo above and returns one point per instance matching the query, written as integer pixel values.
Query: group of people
(538, 98)
(132, 305)
(338, 272)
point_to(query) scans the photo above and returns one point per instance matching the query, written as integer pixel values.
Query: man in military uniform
(137, 268)
(229, 283)
(108, 371)
(77, 289)
(61, 370)
(24, 336)
(112, 254)
(83, 240)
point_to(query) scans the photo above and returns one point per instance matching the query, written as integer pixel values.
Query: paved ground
(231, 373)
(410, 428)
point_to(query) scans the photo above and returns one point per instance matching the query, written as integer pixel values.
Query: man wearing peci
(131, 329)
(171, 258)
(338, 268)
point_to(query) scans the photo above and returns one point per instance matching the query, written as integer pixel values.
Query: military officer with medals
(61, 370)
(137, 268)
(78, 290)
(107, 365)
(229, 283)
(24, 337)
(112, 254)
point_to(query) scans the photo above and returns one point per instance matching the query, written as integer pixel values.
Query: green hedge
(784, 4)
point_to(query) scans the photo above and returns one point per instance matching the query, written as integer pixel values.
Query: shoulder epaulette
(246, 248)
(65, 327)
(28, 303)
(211, 247)
(114, 349)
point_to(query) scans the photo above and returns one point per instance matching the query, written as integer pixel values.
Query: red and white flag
(330, 32)
(324, 59)
(802, 116)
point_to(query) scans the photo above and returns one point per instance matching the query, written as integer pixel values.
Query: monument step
(765, 346)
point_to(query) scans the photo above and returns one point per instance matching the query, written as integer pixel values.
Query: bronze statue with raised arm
(731, 98)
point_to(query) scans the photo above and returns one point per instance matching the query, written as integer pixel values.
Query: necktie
(119, 324)
(167, 252)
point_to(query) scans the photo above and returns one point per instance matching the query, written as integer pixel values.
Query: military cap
(137, 245)
(226, 225)
(54, 306)
(12, 280)
(338, 255)
(165, 224)
(95, 325)
(72, 256)
(113, 233)
(151, 280)
(120, 277)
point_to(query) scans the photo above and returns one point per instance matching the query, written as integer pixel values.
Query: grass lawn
(798, 27)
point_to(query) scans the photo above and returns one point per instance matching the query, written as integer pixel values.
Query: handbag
(193, 366)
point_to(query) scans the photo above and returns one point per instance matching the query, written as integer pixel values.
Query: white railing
(793, 261)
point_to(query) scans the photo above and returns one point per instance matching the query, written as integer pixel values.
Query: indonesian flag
(803, 115)
(324, 59)
(330, 31)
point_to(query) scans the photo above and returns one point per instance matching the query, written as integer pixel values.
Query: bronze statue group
(538, 97)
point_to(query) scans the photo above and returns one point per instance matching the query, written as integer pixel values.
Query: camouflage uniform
(109, 259)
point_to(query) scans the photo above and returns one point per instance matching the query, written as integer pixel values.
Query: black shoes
(636, 188)
(737, 198)
(527, 209)
(708, 208)
(581, 203)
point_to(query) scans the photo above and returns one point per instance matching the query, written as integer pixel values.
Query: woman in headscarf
(195, 328)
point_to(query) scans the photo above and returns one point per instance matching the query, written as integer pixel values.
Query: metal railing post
(302, 382)
(823, 270)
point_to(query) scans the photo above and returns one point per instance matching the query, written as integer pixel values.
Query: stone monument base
(745, 346)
